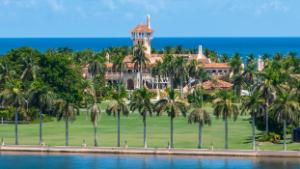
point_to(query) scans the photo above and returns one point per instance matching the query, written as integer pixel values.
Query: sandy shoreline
(150, 151)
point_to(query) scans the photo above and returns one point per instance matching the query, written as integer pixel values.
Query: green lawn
(185, 135)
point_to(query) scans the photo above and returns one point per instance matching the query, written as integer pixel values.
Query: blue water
(244, 46)
(27, 161)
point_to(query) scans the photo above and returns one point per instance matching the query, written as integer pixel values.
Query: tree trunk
(41, 128)
(16, 127)
(253, 133)
(95, 136)
(141, 76)
(200, 136)
(67, 131)
(181, 87)
(267, 118)
(171, 133)
(284, 135)
(145, 129)
(118, 141)
(226, 133)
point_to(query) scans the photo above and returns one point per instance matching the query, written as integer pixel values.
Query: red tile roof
(216, 65)
(142, 28)
(219, 84)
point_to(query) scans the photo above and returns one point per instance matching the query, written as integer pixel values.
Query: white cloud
(56, 5)
(272, 5)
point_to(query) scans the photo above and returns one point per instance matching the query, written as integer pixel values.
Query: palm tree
(13, 95)
(67, 111)
(96, 65)
(181, 72)
(29, 67)
(249, 74)
(140, 101)
(119, 66)
(117, 106)
(254, 105)
(225, 108)
(41, 96)
(268, 85)
(198, 114)
(95, 110)
(173, 107)
(286, 108)
(236, 64)
(140, 59)
(169, 68)
(6, 72)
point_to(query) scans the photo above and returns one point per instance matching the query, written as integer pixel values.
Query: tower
(260, 64)
(142, 33)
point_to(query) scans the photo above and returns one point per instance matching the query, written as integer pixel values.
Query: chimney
(148, 21)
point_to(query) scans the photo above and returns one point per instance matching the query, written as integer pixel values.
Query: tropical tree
(268, 85)
(140, 101)
(249, 74)
(94, 109)
(225, 108)
(198, 114)
(173, 107)
(254, 105)
(42, 97)
(96, 65)
(286, 108)
(66, 111)
(119, 65)
(116, 107)
(140, 59)
(169, 68)
(181, 72)
(29, 67)
(14, 95)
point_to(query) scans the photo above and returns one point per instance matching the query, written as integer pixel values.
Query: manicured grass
(185, 135)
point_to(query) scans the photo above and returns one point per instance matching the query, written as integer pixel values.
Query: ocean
(243, 46)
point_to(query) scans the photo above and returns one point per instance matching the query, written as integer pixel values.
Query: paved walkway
(150, 151)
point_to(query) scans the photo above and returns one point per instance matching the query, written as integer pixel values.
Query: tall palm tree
(225, 108)
(236, 64)
(173, 107)
(140, 101)
(119, 66)
(96, 65)
(13, 95)
(254, 105)
(6, 72)
(117, 106)
(286, 108)
(169, 68)
(42, 97)
(181, 72)
(198, 114)
(94, 109)
(29, 67)
(66, 111)
(140, 59)
(268, 85)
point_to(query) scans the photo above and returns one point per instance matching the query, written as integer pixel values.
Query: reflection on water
(64, 161)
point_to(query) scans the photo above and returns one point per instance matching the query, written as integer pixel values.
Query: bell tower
(142, 33)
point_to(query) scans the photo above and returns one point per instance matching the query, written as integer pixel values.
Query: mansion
(143, 33)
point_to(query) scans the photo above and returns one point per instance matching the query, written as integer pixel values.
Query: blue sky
(170, 18)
